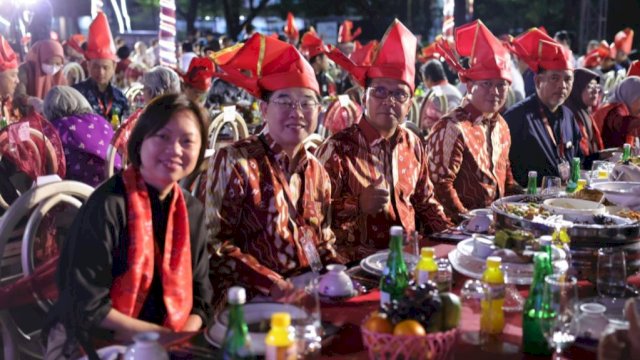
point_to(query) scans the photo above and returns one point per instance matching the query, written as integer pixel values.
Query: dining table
(344, 318)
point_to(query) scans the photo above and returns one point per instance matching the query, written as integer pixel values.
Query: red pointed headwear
(488, 58)
(634, 69)
(539, 50)
(75, 42)
(346, 33)
(311, 45)
(100, 43)
(624, 40)
(199, 75)
(223, 56)
(8, 58)
(290, 29)
(395, 58)
(364, 54)
(267, 64)
(429, 52)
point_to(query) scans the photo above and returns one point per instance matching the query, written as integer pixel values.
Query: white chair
(74, 73)
(238, 128)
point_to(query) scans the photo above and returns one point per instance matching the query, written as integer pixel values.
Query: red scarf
(129, 290)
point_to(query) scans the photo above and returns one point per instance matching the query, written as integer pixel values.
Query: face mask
(50, 69)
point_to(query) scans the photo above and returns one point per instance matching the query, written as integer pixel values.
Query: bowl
(573, 209)
(336, 282)
(621, 193)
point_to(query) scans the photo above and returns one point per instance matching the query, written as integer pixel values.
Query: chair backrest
(236, 122)
(313, 141)
(74, 73)
(414, 113)
(134, 96)
(109, 167)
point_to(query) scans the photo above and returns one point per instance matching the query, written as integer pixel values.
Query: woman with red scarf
(135, 259)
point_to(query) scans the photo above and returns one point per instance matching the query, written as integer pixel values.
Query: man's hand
(372, 200)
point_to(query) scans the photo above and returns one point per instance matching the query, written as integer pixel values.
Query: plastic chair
(74, 73)
(238, 127)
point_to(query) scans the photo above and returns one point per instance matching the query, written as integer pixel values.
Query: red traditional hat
(223, 56)
(100, 43)
(290, 29)
(75, 42)
(271, 65)
(311, 45)
(624, 40)
(395, 58)
(634, 69)
(364, 54)
(199, 75)
(539, 50)
(8, 58)
(488, 58)
(345, 33)
(429, 52)
(596, 56)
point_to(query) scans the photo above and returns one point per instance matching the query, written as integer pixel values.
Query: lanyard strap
(107, 110)
(560, 147)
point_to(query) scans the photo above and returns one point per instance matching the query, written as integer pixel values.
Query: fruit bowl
(434, 346)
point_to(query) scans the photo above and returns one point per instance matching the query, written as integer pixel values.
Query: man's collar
(292, 164)
(551, 114)
(476, 117)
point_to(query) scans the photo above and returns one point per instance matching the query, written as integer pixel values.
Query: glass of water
(560, 312)
(611, 279)
(307, 325)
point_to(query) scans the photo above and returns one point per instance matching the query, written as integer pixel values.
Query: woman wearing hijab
(619, 120)
(135, 259)
(41, 70)
(584, 97)
(85, 135)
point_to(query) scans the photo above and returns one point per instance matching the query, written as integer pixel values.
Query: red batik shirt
(254, 235)
(358, 156)
(469, 160)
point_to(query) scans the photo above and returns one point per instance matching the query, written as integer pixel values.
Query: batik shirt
(469, 160)
(111, 102)
(255, 234)
(357, 157)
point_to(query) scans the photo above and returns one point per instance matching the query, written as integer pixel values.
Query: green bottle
(395, 277)
(237, 342)
(3, 122)
(532, 183)
(533, 340)
(626, 152)
(572, 184)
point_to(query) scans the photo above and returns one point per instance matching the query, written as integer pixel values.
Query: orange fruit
(409, 327)
(378, 323)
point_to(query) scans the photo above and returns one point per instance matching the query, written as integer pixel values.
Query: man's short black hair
(187, 46)
(563, 35)
(123, 52)
(433, 71)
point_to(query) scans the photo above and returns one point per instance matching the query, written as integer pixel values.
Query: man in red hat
(8, 82)
(346, 37)
(469, 147)
(267, 197)
(544, 133)
(105, 99)
(314, 50)
(378, 169)
(197, 80)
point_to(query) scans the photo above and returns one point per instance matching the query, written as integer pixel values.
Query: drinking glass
(513, 274)
(600, 171)
(551, 185)
(411, 246)
(308, 328)
(611, 280)
(560, 312)
(472, 294)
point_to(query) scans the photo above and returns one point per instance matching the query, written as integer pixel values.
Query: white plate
(253, 313)
(109, 352)
(375, 263)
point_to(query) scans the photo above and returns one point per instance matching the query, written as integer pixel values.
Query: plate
(112, 352)
(374, 264)
(254, 313)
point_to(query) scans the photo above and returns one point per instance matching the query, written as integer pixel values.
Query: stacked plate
(374, 264)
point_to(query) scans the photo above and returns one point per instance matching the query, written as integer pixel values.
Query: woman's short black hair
(156, 115)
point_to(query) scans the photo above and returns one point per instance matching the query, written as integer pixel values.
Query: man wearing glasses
(378, 169)
(544, 133)
(267, 197)
(469, 148)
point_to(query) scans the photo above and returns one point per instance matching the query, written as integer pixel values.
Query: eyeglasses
(288, 104)
(382, 93)
(501, 86)
(594, 88)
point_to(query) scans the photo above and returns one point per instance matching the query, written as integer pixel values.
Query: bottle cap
(280, 319)
(396, 231)
(626, 146)
(545, 240)
(427, 252)
(582, 182)
(533, 173)
(494, 261)
(237, 295)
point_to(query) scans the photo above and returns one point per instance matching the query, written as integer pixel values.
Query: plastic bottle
(533, 340)
(237, 342)
(427, 266)
(115, 121)
(532, 183)
(626, 152)
(395, 277)
(572, 183)
(279, 340)
(492, 316)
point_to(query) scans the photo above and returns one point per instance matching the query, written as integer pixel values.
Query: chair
(238, 128)
(21, 326)
(74, 73)
(112, 152)
(134, 96)
(414, 113)
(312, 142)
(340, 114)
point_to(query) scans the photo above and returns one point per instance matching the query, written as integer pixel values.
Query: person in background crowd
(197, 80)
(267, 197)
(441, 96)
(105, 99)
(135, 258)
(41, 70)
(591, 46)
(378, 169)
(544, 133)
(623, 42)
(153, 52)
(85, 136)
(563, 38)
(73, 48)
(124, 56)
(468, 148)
(225, 42)
(187, 55)
(619, 120)
(8, 82)
(141, 56)
(314, 50)
(584, 98)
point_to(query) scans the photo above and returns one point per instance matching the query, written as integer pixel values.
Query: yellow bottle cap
(494, 261)
(280, 319)
(427, 252)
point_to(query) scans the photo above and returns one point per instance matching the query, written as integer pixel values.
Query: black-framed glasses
(288, 104)
(382, 93)
(500, 85)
